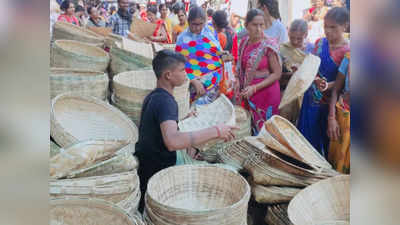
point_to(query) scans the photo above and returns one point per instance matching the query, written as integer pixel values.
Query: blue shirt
(119, 25)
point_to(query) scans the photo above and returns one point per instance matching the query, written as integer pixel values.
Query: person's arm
(276, 72)
(333, 126)
(175, 140)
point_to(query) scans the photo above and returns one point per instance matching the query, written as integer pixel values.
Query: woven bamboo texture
(78, 55)
(76, 118)
(78, 81)
(277, 215)
(273, 194)
(301, 79)
(87, 211)
(123, 61)
(82, 155)
(119, 163)
(238, 154)
(158, 47)
(68, 31)
(131, 88)
(140, 48)
(325, 201)
(197, 194)
(101, 31)
(288, 135)
(54, 149)
(142, 28)
(219, 111)
(121, 189)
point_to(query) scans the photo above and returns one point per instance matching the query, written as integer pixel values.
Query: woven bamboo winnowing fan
(83, 155)
(76, 118)
(142, 28)
(322, 202)
(103, 31)
(69, 31)
(88, 211)
(219, 111)
(301, 79)
(288, 135)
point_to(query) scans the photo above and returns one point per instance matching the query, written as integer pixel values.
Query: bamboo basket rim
(59, 71)
(197, 166)
(317, 162)
(96, 185)
(127, 80)
(61, 44)
(301, 79)
(78, 30)
(329, 182)
(132, 136)
(92, 203)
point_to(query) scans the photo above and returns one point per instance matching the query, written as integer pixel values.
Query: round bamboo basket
(78, 55)
(68, 31)
(123, 60)
(131, 88)
(121, 189)
(197, 194)
(82, 155)
(237, 154)
(88, 211)
(83, 82)
(325, 201)
(76, 118)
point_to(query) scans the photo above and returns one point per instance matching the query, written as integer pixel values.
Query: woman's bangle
(326, 87)
(218, 131)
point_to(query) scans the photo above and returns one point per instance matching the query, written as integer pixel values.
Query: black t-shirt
(159, 106)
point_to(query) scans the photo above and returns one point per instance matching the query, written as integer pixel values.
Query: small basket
(88, 211)
(327, 200)
(78, 55)
(77, 118)
(83, 82)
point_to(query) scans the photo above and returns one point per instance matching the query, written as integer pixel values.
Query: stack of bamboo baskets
(279, 160)
(131, 88)
(202, 194)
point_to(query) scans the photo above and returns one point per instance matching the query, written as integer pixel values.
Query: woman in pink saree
(259, 71)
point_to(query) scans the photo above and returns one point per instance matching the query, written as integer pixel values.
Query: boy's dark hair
(161, 6)
(196, 12)
(166, 59)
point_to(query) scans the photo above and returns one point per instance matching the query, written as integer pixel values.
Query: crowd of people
(264, 54)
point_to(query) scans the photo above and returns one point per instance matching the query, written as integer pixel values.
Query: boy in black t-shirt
(159, 137)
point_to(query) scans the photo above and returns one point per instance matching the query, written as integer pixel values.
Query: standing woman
(68, 7)
(260, 69)
(293, 54)
(164, 18)
(202, 50)
(160, 33)
(314, 112)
